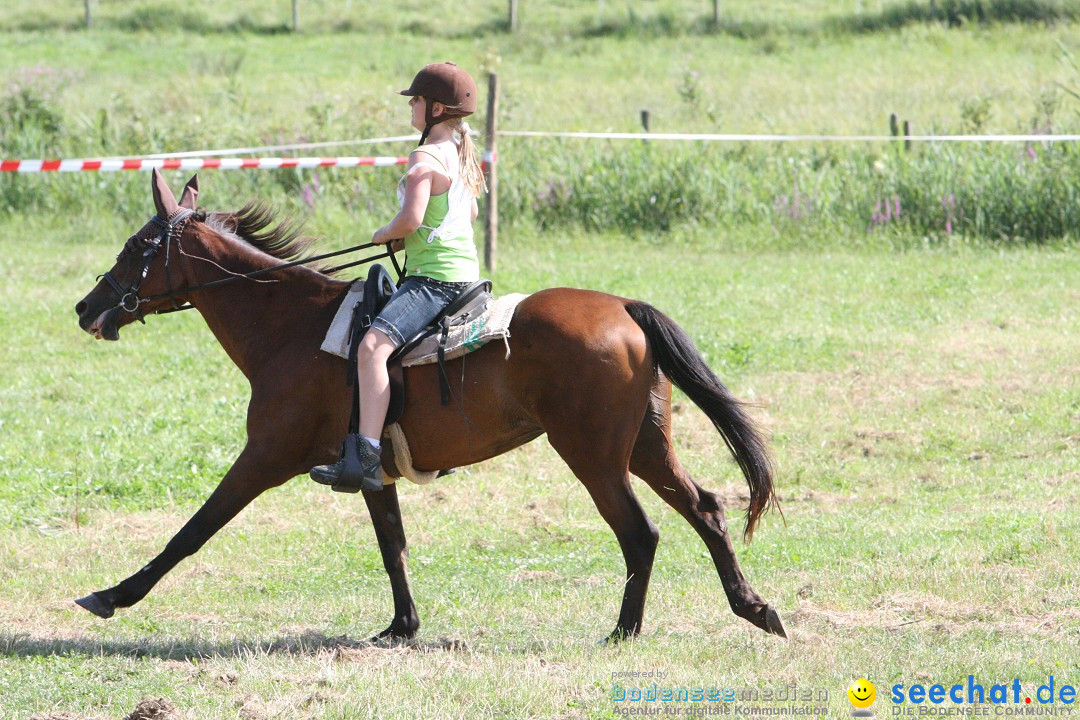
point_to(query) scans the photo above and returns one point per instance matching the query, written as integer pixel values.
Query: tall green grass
(168, 81)
(1010, 193)
(932, 193)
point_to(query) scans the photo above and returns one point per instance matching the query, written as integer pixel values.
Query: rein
(173, 228)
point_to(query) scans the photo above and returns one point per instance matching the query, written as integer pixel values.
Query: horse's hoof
(618, 635)
(773, 624)
(394, 634)
(96, 605)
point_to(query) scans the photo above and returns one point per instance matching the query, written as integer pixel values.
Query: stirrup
(358, 468)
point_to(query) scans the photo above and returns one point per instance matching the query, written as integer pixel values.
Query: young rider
(438, 204)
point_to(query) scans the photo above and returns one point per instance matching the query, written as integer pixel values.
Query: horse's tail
(674, 352)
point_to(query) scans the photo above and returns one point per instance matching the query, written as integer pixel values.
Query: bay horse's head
(133, 286)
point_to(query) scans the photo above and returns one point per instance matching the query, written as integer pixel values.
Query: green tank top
(449, 256)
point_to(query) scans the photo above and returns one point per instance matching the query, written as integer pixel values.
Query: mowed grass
(923, 408)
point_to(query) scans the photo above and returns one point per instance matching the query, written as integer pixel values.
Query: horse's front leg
(386, 517)
(245, 481)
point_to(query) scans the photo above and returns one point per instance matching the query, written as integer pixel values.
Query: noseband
(170, 229)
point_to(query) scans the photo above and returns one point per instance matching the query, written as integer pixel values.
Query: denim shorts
(415, 304)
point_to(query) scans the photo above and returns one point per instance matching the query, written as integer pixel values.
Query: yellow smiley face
(862, 693)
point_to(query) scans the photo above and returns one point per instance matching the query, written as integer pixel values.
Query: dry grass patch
(932, 612)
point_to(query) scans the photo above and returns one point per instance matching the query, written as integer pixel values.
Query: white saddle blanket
(493, 323)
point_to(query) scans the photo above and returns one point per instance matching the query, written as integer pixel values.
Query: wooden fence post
(513, 16)
(295, 15)
(89, 15)
(491, 207)
(716, 14)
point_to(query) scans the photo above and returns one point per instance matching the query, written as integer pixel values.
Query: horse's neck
(255, 318)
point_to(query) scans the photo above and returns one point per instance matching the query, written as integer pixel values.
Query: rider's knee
(375, 348)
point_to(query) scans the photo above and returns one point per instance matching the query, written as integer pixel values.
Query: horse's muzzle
(102, 325)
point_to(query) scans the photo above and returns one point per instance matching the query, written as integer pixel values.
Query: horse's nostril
(80, 309)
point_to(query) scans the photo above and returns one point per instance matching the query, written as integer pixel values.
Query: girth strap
(444, 381)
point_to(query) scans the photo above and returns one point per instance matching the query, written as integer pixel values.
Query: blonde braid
(472, 174)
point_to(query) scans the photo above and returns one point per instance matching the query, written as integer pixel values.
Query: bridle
(129, 298)
(172, 229)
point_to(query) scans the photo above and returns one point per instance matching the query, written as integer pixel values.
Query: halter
(171, 228)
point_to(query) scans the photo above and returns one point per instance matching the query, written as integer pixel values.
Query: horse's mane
(255, 224)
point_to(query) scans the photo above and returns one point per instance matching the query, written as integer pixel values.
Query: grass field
(921, 392)
(924, 412)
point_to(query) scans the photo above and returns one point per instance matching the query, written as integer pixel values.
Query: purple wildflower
(948, 204)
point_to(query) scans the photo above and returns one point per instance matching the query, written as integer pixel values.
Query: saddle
(378, 287)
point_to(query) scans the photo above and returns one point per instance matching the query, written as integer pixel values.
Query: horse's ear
(164, 200)
(191, 193)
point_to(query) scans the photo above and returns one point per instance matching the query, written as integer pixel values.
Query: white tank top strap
(437, 168)
(443, 167)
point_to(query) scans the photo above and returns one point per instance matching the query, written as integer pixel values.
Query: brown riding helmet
(448, 84)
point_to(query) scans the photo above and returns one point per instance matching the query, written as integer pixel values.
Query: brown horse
(591, 370)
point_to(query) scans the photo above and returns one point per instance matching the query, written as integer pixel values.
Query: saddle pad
(464, 338)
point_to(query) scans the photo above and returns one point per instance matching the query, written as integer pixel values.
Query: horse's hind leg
(653, 460)
(386, 517)
(601, 466)
(637, 537)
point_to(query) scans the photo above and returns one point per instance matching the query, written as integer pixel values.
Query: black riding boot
(358, 468)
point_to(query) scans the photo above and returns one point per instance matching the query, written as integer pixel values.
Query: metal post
(491, 207)
(513, 16)
(89, 15)
(716, 14)
(295, 15)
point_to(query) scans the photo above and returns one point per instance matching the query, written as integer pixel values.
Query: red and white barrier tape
(183, 161)
(33, 166)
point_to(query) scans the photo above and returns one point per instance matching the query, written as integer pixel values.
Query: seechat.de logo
(862, 694)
